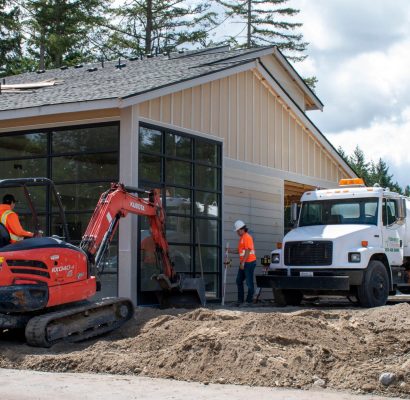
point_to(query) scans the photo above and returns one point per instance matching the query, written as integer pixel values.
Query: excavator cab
(23, 187)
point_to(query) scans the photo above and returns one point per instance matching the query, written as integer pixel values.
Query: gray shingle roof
(137, 77)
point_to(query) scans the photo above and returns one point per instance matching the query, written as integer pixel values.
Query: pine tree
(10, 38)
(372, 173)
(379, 173)
(265, 24)
(358, 163)
(60, 30)
(146, 26)
(311, 82)
(342, 153)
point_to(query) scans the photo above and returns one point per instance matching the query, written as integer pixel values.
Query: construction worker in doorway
(247, 262)
(11, 220)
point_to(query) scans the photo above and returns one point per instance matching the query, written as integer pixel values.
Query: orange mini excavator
(46, 282)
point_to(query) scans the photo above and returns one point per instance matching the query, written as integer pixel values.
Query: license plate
(306, 273)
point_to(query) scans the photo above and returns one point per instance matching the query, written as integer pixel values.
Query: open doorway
(293, 193)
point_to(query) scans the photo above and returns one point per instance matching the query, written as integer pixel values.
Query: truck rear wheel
(374, 290)
(287, 297)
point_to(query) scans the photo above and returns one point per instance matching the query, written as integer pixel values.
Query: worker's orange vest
(3, 220)
(246, 242)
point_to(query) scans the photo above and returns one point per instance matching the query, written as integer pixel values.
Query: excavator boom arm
(115, 204)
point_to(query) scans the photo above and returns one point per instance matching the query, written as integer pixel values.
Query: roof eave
(316, 104)
(62, 108)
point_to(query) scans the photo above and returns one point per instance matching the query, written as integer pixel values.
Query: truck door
(393, 231)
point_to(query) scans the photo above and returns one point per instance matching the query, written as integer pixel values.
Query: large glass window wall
(188, 171)
(82, 161)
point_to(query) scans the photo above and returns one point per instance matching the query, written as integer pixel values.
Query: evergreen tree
(146, 26)
(342, 153)
(407, 191)
(265, 24)
(379, 173)
(358, 163)
(60, 30)
(10, 38)
(311, 82)
(372, 173)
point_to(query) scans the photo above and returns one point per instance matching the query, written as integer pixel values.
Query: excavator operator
(10, 220)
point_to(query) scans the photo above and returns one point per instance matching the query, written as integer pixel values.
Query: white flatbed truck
(349, 241)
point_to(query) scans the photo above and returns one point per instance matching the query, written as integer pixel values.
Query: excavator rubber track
(79, 322)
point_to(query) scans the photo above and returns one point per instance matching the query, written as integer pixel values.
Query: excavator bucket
(186, 293)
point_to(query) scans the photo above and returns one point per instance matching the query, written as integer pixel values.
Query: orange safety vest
(11, 221)
(245, 243)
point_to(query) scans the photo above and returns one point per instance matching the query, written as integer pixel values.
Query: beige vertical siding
(256, 124)
(298, 148)
(264, 118)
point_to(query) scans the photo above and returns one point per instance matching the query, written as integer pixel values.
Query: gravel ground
(333, 346)
(31, 385)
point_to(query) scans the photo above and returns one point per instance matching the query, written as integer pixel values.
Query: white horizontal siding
(257, 199)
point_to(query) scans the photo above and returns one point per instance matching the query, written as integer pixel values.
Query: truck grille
(309, 252)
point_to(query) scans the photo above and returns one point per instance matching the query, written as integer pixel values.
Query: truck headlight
(275, 259)
(354, 257)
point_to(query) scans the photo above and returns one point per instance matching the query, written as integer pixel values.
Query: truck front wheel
(287, 297)
(374, 290)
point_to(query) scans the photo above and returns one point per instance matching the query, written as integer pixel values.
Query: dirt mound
(346, 349)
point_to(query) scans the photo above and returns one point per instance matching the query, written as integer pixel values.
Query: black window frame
(163, 184)
(48, 155)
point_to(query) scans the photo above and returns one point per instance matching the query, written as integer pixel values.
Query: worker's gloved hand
(38, 233)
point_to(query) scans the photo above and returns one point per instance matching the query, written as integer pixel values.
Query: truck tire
(287, 297)
(374, 290)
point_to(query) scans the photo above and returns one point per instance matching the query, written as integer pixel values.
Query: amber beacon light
(351, 181)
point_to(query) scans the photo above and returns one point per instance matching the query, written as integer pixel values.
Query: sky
(360, 52)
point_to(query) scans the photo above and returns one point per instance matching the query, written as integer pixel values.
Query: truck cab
(350, 241)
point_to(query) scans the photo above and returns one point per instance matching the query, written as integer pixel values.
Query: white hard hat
(238, 225)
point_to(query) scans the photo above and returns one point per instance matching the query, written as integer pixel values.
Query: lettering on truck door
(393, 232)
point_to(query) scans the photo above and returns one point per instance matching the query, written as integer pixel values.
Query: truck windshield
(336, 212)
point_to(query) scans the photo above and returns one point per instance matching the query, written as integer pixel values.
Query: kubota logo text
(137, 206)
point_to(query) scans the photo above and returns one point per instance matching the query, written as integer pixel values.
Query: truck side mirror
(401, 209)
(294, 211)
